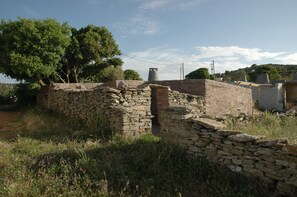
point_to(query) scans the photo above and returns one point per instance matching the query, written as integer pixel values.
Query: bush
(110, 73)
(7, 94)
(131, 75)
(26, 93)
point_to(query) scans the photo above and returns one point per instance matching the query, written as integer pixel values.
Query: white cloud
(139, 25)
(248, 54)
(287, 59)
(170, 4)
(169, 60)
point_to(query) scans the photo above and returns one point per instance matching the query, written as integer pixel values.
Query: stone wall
(227, 99)
(189, 86)
(162, 97)
(220, 98)
(291, 94)
(128, 112)
(274, 161)
(271, 97)
(196, 103)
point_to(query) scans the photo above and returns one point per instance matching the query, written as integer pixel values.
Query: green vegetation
(109, 74)
(131, 74)
(45, 51)
(7, 93)
(200, 73)
(32, 49)
(16, 95)
(275, 72)
(53, 156)
(268, 125)
(91, 50)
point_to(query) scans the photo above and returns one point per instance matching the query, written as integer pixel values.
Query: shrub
(7, 93)
(26, 93)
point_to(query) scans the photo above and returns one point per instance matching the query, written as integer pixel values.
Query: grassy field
(268, 125)
(54, 156)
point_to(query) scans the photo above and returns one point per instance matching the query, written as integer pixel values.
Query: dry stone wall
(274, 161)
(128, 111)
(196, 103)
(220, 98)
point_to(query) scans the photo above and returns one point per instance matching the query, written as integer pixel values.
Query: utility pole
(212, 69)
(180, 73)
(183, 69)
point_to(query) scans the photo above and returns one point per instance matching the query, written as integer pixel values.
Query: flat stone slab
(243, 137)
(210, 124)
(228, 132)
(272, 142)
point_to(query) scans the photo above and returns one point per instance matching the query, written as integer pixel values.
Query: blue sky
(167, 33)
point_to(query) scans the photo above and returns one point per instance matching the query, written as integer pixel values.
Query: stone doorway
(159, 101)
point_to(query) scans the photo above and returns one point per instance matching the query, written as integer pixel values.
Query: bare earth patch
(7, 125)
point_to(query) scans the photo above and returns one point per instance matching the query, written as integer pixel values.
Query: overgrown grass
(48, 125)
(41, 164)
(267, 124)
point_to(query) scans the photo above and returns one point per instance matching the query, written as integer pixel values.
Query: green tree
(31, 49)
(109, 74)
(91, 50)
(238, 75)
(131, 74)
(200, 73)
(269, 69)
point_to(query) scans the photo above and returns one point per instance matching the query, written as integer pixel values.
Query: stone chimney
(153, 74)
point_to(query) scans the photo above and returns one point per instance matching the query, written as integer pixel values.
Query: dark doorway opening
(159, 101)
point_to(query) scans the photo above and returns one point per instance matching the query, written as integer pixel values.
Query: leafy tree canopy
(131, 74)
(275, 72)
(92, 49)
(269, 69)
(109, 74)
(200, 73)
(31, 49)
(47, 51)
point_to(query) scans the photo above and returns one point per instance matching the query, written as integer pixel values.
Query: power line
(150, 62)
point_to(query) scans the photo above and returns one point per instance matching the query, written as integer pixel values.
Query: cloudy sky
(167, 33)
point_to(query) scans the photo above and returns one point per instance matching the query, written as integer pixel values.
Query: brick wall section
(127, 112)
(274, 161)
(224, 99)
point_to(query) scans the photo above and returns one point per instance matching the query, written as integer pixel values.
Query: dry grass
(267, 124)
(47, 160)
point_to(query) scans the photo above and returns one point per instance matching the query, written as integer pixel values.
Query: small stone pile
(274, 161)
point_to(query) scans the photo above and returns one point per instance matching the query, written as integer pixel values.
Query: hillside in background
(275, 72)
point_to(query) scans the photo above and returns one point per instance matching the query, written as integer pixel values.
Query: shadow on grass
(146, 167)
(47, 125)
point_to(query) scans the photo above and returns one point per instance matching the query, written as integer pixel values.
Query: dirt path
(6, 123)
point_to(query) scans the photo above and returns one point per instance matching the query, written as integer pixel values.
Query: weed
(45, 166)
(267, 124)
